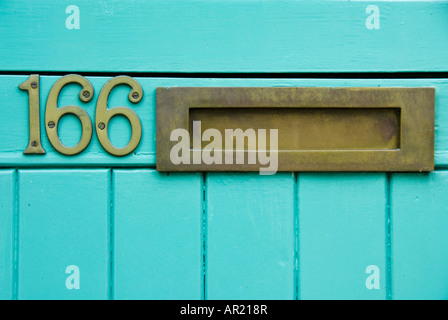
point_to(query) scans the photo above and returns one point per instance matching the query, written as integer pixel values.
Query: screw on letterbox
(34, 144)
(86, 94)
(34, 85)
(101, 125)
(135, 95)
(51, 124)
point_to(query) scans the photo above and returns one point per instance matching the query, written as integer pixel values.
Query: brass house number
(102, 115)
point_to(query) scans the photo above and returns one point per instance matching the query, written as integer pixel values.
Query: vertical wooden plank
(7, 204)
(342, 231)
(63, 222)
(157, 235)
(419, 235)
(250, 236)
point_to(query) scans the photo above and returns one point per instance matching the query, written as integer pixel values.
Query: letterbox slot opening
(307, 129)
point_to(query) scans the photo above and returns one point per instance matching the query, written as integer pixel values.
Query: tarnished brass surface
(32, 85)
(53, 114)
(311, 128)
(319, 129)
(103, 115)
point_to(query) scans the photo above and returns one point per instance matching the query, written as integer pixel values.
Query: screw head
(135, 95)
(86, 94)
(101, 126)
(51, 124)
(34, 85)
(34, 144)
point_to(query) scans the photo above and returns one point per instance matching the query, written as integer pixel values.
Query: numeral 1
(32, 86)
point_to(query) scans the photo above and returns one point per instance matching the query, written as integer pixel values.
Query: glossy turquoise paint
(419, 235)
(250, 236)
(64, 221)
(157, 235)
(224, 36)
(14, 122)
(342, 231)
(7, 206)
(137, 233)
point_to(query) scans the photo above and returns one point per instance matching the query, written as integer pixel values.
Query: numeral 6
(103, 115)
(53, 114)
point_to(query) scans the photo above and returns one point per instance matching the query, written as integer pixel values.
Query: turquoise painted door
(96, 226)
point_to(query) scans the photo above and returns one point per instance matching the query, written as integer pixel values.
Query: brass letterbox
(317, 129)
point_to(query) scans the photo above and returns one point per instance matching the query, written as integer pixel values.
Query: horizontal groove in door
(244, 75)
